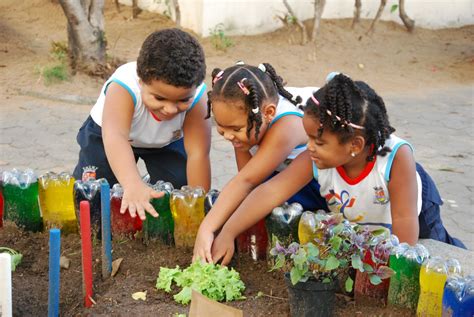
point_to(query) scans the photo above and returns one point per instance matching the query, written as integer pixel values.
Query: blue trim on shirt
(386, 225)
(300, 146)
(196, 99)
(285, 114)
(315, 171)
(392, 156)
(117, 81)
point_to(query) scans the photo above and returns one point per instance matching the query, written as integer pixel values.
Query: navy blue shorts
(308, 196)
(167, 163)
(431, 225)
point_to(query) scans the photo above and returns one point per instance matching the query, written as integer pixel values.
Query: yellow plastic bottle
(433, 275)
(187, 209)
(57, 202)
(307, 227)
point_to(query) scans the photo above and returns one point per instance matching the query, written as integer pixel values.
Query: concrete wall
(240, 17)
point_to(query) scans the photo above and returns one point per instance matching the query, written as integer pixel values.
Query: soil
(390, 59)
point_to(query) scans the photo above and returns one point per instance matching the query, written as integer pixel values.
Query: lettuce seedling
(211, 280)
(15, 256)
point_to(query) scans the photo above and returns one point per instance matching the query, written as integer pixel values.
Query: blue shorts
(431, 225)
(167, 163)
(308, 196)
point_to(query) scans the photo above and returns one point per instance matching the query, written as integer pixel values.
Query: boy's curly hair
(354, 102)
(172, 56)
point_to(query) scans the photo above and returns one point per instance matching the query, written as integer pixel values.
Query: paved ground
(40, 133)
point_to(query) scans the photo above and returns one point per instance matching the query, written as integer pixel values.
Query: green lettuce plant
(211, 280)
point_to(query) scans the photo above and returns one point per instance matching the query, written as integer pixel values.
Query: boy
(153, 109)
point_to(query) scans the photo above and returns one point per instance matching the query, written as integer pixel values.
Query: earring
(353, 154)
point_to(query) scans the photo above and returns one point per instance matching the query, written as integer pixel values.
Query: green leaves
(211, 280)
(356, 262)
(349, 284)
(374, 279)
(331, 263)
(15, 256)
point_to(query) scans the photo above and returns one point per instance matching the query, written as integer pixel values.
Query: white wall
(259, 16)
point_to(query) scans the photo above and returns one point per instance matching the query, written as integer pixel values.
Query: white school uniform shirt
(286, 108)
(364, 200)
(146, 130)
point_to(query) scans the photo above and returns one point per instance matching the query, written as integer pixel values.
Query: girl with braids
(261, 118)
(365, 172)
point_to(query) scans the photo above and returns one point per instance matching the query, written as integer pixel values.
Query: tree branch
(356, 19)
(377, 16)
(409, 23)
(304, 37)
(318, 12)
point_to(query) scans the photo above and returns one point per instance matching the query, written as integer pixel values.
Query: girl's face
(165, 101)
(231, 120)
(326, 151)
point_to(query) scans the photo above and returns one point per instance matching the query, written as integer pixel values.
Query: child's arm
(116, 122)
(403, 191)
(260, 203)
(278, 142)
(197, 143)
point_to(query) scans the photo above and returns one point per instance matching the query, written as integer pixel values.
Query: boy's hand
(137, 200)
(223, 248)
(203, 244)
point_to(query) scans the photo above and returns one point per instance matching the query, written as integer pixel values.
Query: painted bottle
(88, 188)
(21, 199)
(404, 289)
(254, 241)
(366, 293)
(283, 222)
(123, 225)
(458, 297)
(163, 226)
(57, 201)
(433, 275)
(187, 208)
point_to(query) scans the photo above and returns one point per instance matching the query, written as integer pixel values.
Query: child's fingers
(132, 210)
(141, 212)
(123, 207)
(208, 256)
(227, 257)
(149, 208)
(155, 194)
(216, 257)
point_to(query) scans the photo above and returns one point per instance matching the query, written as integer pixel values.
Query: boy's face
(165, 101)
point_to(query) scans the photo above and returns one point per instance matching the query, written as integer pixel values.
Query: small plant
(338, 245)
(15, 256)
(218, 38)
(58, 70)
(211, 280)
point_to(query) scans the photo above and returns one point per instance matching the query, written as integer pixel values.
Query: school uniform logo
(342, 203)
(379, 196)
(177, 134)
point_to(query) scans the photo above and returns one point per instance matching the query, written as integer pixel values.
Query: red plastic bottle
(254, 241)
(365, 293)
(122, 224)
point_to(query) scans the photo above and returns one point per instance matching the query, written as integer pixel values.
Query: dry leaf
(139, 295)
(116, 266)
(64, 262)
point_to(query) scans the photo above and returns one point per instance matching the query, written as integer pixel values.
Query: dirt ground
(391, 60)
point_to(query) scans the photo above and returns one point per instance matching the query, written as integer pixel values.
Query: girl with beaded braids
(261, 118)
(365, 171)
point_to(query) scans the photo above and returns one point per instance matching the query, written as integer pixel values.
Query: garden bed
(138, 272)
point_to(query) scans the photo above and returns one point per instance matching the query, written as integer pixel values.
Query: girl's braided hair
(342, 102)
(251, 85)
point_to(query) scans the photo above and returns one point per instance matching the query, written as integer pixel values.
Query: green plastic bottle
(20, 190)
(163, 226)
(404, 289)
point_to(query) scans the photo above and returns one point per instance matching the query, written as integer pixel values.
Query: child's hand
(223, 248)
(137, 200)
(203, 244)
